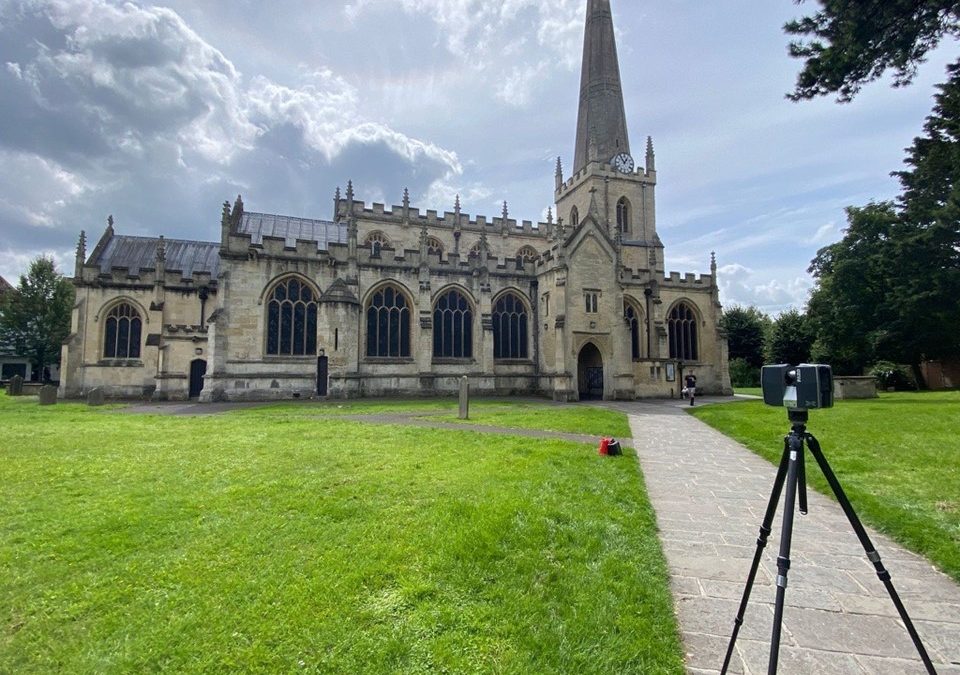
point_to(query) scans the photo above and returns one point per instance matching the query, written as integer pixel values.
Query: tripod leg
(761, 544)
(868, 547)
(795, 446)
(802, 485)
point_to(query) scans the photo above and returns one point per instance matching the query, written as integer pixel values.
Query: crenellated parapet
(688, 279)
(604, 170)
(411, 216)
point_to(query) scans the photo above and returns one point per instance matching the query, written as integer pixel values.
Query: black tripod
(793, 472)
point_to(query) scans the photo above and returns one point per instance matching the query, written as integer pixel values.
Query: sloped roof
(5, 287)
(290, 229)
(339, 292)
(140, 253)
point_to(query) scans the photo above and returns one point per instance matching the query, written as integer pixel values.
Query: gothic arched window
(388, 324)
(528, 254)
(574, 217)
(434, 247)
(623, 215)
(453, 326)
(292, 319)
(377, 241)
(682, 327)
(121, 333)
(632, 317)
(510, 338)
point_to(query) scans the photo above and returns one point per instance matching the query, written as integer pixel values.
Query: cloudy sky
(157, 113)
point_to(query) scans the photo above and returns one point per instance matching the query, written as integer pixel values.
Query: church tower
(607, 182)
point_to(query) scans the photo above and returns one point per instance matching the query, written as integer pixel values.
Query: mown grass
(261, 543)
(568, 419)
(897, 458)
(519, 414)
(356, 407)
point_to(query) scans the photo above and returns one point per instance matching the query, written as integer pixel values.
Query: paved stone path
(710, 495)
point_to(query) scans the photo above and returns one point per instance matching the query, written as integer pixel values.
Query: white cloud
(45, 188)
(517, 87)
(141, 69)
(13, 263)
(824, 233)
(141, 101)
(741, 285)
(443, 193)
(494, 38)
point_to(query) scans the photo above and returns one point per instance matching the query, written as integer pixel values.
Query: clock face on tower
(623, 163)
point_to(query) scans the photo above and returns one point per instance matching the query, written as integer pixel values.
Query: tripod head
(798, 417)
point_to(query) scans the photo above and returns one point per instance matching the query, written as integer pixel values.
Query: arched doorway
(590, 373)
(198, 368)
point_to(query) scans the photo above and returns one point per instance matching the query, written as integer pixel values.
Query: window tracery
(292, 319)
(453, 326)
(388, 324)
(623, 215)
(633, 319)
(510, 328)
(376, 241)
(122, 332)
(682, 327)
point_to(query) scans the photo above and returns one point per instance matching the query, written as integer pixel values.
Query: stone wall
(171, 336)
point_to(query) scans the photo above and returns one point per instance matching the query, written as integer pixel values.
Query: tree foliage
(926, 278)
(888, 290)
(36, 318)
(742, 374)
(745, 328)
(849, 43)
(849, 309)
(789, 339)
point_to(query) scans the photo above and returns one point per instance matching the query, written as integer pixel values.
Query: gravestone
(464, 398)
(95, 397)
(15, 386)
(48, 395)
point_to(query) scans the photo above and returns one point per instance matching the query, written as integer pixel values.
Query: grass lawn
(897, 458)
(522, 414)
(569, 419)
(280, 542)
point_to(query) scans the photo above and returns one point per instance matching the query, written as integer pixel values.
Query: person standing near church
(691, 382)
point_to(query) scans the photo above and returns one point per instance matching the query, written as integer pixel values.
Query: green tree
(849, 43)
(926, 280)
(789, 339)
(745, 327)
(35, 318)
(888, 290)
(850, 308)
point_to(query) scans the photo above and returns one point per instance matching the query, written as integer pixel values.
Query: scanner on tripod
(805, 387)
(800, 389)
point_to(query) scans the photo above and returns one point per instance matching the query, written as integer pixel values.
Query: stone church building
(397, 301)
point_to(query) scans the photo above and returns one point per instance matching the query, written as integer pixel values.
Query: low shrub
(893, 376)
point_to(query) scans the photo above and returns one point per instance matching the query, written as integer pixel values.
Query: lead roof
(290, 229)
(140, 253)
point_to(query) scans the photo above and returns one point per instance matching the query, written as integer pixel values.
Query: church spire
(602, 123)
